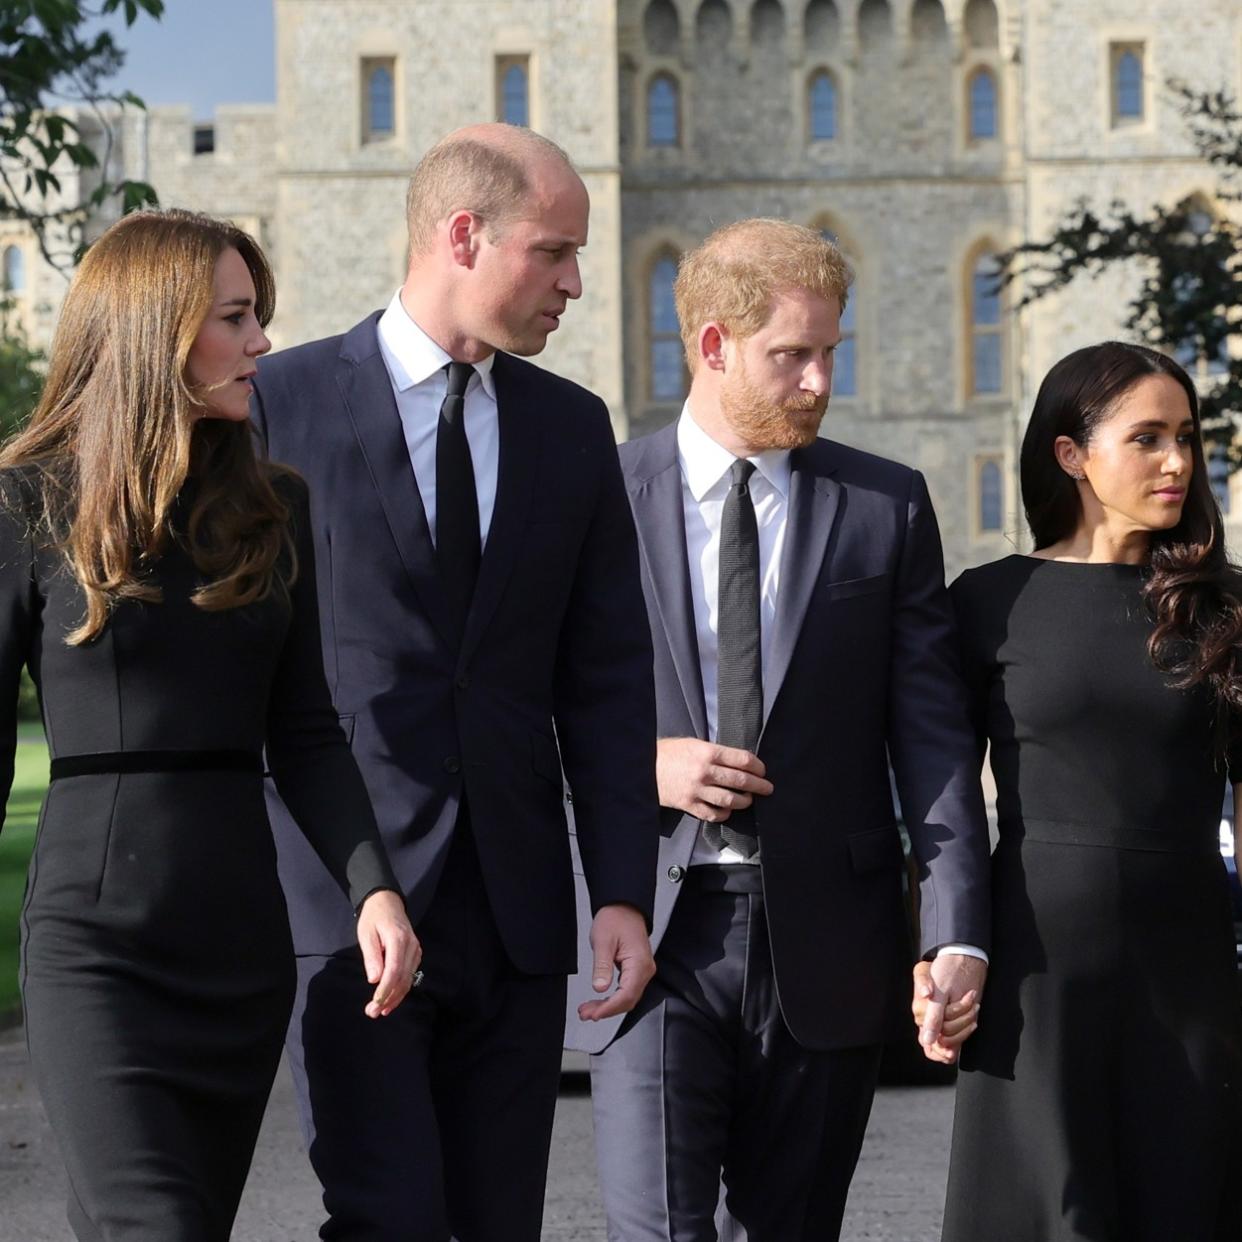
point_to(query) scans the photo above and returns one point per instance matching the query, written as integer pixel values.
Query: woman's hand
(390, 950)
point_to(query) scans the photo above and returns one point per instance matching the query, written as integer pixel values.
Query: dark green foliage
(21, 374)
(1189, 256)
(48, 60)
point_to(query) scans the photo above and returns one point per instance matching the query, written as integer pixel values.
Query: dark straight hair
(1193, 591)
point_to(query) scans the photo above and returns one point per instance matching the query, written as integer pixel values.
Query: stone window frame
(1205, 371)
(662, 252)
(983, 462)
(14, 290)
(844, 238)
(1117, 50)
(980, 249)
(976, 70)
(664, 73)
(505, 63)
(823, 69)
(368, 66)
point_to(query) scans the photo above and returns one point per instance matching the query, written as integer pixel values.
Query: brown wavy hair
(1192, 589)
(117, 430)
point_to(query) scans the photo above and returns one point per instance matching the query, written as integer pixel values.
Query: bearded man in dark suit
(803, 639)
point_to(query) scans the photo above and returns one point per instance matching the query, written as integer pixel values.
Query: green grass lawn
(16, 842)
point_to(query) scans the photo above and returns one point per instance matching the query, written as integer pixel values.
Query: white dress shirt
(416, 367)
(704, 485)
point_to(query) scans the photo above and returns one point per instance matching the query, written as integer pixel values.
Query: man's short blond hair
(732, 277)
(468, 173)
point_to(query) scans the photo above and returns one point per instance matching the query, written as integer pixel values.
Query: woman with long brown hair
(157, 580)
(1099, 1098)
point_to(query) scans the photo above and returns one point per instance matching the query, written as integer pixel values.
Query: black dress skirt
(157, 965)
(1100, 1097)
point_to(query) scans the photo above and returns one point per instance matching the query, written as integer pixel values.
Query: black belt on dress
(129, 762)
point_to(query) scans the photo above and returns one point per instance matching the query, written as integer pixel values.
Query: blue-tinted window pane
(1219, 364)
(516, 103)
(380, 102)
(844, 363)
(667, 370)
(663, 307)
(982, 105)
(823, 107)
(987, 360)
(662, 113)
(991, 497)
(844, 371)
(14, 270)
(1218, 474)
(985, 308)
(1129, 85)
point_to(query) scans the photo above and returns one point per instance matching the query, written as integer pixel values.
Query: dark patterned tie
(739, 684)
(457, 503)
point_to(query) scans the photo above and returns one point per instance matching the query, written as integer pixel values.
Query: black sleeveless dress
(1099, 1098)
(157, 965)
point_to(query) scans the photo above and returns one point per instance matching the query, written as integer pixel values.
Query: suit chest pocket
(857, 588)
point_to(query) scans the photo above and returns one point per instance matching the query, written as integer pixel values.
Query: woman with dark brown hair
(157, 580)
(1099, 1098)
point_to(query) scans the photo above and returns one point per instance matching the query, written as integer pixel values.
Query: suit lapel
(521, 435)
(814, 499)
(659, 515)
(367, 392)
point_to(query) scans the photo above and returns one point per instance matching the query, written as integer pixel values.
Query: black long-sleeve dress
(157, 966)
(1099, 1098)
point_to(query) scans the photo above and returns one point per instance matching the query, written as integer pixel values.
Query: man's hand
(618, 937)
(946, 1003)
(390, 950)
(706, 780)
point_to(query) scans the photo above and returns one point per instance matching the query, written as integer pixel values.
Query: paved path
(896, 1195)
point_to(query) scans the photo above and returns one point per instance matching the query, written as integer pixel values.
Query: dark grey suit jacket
(863, 671)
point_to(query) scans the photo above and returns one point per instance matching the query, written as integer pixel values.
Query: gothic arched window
(983, 104)
(666, 355)
(663, 112)
(986, 355)
(823, 102)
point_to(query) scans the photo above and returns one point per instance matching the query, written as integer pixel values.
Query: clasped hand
(947, 992)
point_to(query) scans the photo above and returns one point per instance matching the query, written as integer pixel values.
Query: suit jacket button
(452, 765)
(675, 873)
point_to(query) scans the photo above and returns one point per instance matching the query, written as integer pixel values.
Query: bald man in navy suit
(483, 624)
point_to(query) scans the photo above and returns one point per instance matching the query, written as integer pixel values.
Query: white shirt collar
(413, 357)
(704, 462)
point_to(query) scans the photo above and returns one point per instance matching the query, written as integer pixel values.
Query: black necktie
(457, 502)
(739, 683)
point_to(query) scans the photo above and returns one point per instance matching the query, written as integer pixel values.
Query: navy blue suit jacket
(555, 665)
(863, 670)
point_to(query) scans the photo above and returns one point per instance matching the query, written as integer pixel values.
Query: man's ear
(712, 341)
(464, 229)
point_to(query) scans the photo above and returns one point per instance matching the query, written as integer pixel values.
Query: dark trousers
(436, 1121)
(705, 1086)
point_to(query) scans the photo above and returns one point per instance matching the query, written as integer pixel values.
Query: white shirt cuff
(965, 950)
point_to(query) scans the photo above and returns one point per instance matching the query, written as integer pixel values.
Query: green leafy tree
(52, 58)
(1189, 258)
(21, 374)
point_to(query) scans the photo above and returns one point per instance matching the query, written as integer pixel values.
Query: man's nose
(570, 283)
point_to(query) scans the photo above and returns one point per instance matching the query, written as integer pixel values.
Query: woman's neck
(1101, 544)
